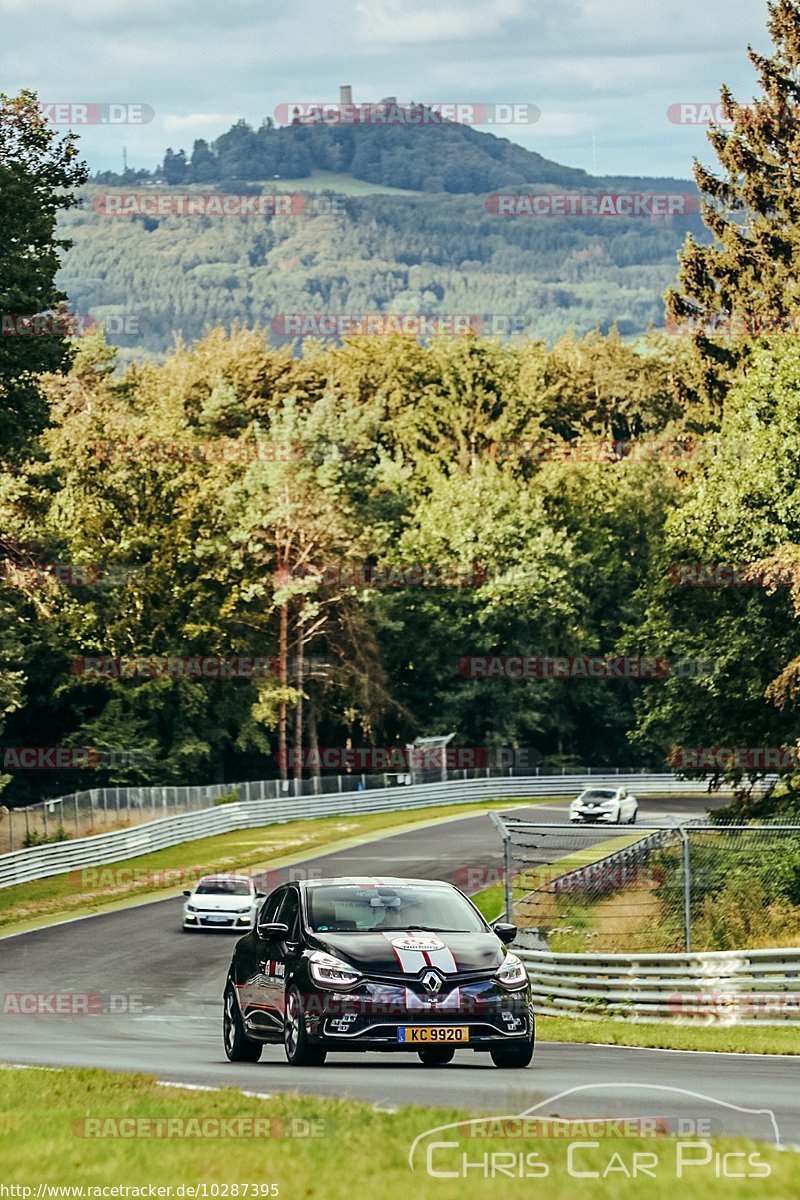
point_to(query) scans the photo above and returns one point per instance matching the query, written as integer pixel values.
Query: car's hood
(399, 953)
(212, 903)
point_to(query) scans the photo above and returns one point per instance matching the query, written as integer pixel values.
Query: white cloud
(178, 124)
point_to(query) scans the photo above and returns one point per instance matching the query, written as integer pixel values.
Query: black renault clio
(376, 964)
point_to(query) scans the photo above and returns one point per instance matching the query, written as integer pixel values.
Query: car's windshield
(350, 908)
(223, 887)
(597, 794)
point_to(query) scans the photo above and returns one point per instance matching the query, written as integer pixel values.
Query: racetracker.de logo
(321, 325)
(587, 204)
(518, 666)
(735, 758)
(200, 1128)
(389, 112)
(733, 575)
(213, 204)
(83, 112)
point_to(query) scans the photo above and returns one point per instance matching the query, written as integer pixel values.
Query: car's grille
(415, 981)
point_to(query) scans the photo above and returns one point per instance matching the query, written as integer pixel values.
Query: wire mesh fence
(662, 889)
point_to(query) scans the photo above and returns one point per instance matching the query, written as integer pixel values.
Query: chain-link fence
(664, 888)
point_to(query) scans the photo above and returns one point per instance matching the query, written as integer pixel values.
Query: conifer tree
(745, 286)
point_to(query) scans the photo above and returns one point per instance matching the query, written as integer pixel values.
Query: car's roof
(371, 881)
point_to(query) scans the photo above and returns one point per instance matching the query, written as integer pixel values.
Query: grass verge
(165, 872)
(46, 1115)
(730, 1039)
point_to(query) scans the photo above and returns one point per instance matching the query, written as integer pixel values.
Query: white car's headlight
(246, 909)
(331, 972)
(191, 908)
(512, 973)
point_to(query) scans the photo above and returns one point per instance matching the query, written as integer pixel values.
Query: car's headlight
(244, 910)
(512, 973)
(331, 972)
(191, 908)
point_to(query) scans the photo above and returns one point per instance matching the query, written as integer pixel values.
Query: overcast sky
(602, 72)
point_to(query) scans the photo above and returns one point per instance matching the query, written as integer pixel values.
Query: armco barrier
(37, 862)
(726, 987)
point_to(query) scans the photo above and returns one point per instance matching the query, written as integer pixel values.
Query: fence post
(77, 818)
(687, 893)
(44, 815)
(500, 826)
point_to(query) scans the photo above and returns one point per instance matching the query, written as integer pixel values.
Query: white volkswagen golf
(221, 902)
(612, 805)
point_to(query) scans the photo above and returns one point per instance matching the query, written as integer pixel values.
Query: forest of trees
(439, 158)
(147, 278)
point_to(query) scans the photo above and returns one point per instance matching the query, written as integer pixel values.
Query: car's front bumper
(208, 920)
(595, 815)
(371, 1017)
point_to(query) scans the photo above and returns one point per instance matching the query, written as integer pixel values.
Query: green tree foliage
(38, 171)
(745, 281)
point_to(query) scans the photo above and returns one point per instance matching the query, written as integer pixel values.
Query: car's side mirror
(186, 893)
(505, 931)
(272, 931)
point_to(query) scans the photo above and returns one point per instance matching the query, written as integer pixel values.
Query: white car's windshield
(222, 887)
(347, 908)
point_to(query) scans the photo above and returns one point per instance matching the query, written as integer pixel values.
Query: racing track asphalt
(160, 992)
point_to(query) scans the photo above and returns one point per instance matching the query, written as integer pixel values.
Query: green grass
(333, 181)
(359, 1150)
(132, 880)
(731, 1039)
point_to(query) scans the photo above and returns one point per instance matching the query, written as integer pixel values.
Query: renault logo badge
(432, 982)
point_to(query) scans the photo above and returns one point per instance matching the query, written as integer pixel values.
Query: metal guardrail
(725, 987)
(37, 862)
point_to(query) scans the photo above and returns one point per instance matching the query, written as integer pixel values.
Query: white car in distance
(222, 902)
(614, 806)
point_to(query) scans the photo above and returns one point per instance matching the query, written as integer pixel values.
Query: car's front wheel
(436, 1056)
(513, 1056)
(295, 1039)
(238, 1046)
(633, 817)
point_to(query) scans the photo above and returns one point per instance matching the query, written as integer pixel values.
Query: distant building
(362, 113)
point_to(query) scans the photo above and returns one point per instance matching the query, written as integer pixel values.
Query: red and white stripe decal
(413, 959)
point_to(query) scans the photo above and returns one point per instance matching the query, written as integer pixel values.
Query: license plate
(415, 1034)
(217, 918)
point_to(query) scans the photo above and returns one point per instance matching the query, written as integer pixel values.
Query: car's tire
(436, 1056)
(634, 814)
(513, 1057)
(295, 1039)
(238, 1046)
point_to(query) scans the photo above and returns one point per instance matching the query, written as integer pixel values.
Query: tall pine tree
(746, 285)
